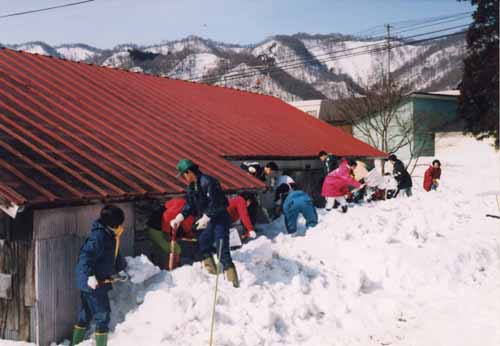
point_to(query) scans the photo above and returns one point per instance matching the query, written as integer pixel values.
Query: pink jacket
(337, 183)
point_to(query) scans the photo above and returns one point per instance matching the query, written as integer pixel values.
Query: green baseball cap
(183, 166)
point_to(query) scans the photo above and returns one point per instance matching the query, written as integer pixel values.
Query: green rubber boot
(78, 335)
(101, 339)
(232, 276)
(209, 265)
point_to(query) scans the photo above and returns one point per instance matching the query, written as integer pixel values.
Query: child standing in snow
(337, 183)
(432, 176)
(98, 263)
(296, 202)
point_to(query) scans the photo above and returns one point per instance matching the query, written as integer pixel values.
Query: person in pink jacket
(337, 183)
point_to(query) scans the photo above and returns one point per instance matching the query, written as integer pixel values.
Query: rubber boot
(209, 265)
(78, 335)
(101, 339)
(232, 276)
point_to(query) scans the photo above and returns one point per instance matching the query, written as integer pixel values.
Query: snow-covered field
(413, 271)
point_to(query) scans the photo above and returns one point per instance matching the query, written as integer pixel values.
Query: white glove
(175, 223)
(92, 282)
(202, 223)
(252, 235)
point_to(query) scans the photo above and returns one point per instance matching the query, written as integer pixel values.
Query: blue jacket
(298, 202)
(296, 198)
(97, 258)
(205, 197)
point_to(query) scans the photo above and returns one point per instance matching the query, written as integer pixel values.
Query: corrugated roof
(71, 131)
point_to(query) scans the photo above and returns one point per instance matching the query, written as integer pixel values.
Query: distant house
(326, 110)
(427, 113)
(74, 136)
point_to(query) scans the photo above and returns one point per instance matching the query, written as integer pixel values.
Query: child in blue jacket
(98, 263)
(296, 202)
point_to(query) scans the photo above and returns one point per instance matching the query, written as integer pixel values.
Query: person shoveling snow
(98, 263)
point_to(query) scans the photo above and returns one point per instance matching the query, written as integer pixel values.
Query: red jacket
(431, 174)
(174, 207)
(337, 183)
(238, 210)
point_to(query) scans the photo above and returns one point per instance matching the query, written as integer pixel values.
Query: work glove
(92, 282)
(251, 235)
(175, 223)
(202, 223)
(436, 182)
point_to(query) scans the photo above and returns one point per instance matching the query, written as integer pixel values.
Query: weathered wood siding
(59, 234)
(17, 262)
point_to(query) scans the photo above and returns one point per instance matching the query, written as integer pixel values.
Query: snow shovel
(493, 216)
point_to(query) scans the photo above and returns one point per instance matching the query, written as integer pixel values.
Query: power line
(421, 24)
(319, 58)
(45, 9)
(367, 51)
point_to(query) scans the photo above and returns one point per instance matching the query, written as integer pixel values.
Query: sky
(106, 23)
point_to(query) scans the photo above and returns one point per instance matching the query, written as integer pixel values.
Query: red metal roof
(71, 131)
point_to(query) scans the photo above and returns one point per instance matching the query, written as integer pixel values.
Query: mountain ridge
(292, 67)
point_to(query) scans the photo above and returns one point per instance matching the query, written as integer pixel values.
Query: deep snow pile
(418, 271)
(405, 272)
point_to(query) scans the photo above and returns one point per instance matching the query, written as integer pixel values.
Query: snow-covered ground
(408, 272)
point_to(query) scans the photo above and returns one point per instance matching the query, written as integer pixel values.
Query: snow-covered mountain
(292, 67)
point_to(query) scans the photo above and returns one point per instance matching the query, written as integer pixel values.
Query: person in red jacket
(172, 208)
(432, 176)
(239, 210)
(160, 233)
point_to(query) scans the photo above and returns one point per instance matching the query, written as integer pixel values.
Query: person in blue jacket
(294, 203)
(208, 204)
(98, 264)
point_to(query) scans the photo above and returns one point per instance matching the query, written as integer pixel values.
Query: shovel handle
(171, 258)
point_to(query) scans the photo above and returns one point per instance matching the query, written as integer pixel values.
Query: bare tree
(377, 113)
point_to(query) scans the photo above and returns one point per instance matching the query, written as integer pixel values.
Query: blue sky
(105, 23)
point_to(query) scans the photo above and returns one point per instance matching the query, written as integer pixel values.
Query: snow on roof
(446, 92)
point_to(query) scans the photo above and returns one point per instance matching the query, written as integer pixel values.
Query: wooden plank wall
(59, 234)
(17, 260)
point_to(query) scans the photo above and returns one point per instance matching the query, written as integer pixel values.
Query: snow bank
(408, 272)
(419, 271)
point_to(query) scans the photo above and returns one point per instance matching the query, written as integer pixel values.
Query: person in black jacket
(330, 162)
(98, 263)
(401, 175)
(206, 201)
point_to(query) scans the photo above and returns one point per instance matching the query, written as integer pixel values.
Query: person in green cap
(206, 201)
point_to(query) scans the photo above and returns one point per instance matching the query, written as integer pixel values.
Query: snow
(407, 272)
(195, 66)
(33, 48)
(117, 59)
(140, 269)
(446, 92)
(413, 271)
(75, 53)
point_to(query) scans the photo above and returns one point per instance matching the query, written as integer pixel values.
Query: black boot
(344, 209)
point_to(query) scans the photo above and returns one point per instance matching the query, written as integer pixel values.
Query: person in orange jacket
(239, 210)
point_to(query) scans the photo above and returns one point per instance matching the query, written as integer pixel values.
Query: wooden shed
(74, 136)
(38, 253)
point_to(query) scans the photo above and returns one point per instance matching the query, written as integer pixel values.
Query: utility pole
(388, 28)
